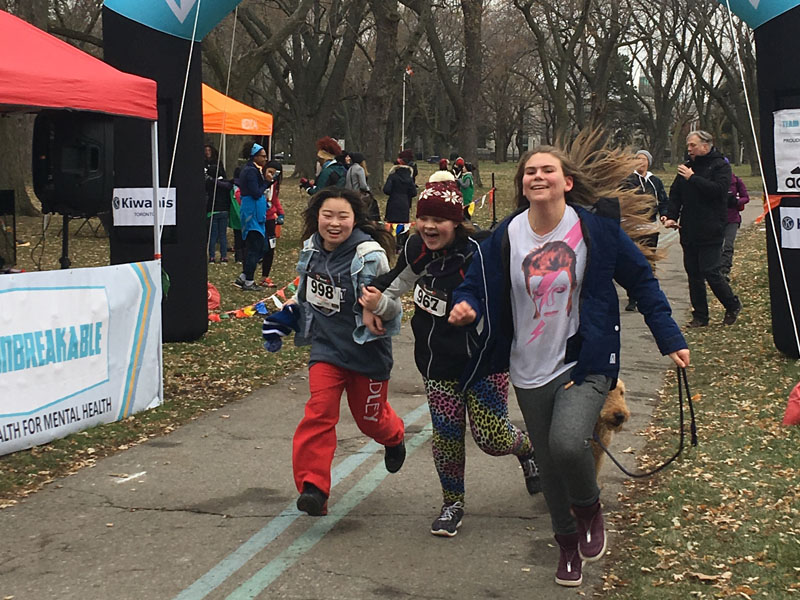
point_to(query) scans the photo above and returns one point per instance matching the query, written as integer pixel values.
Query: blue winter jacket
(253, 212)
(611, 256)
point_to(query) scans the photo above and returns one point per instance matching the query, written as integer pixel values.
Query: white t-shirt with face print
(546, 277)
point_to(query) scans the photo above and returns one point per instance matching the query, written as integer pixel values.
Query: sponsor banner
(78, 347)
(757, 12)
(175, 17)
(134, 206)
(790, 226)
(787, 149)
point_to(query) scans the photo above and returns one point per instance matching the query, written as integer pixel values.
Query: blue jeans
(219, 232)
(560, 422)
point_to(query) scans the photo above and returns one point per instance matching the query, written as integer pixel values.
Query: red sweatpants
(315, 438)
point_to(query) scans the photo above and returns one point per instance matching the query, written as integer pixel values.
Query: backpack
(337, 178)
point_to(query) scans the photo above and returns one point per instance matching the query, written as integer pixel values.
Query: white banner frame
(78, 347)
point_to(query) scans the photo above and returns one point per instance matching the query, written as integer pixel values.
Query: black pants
(651, 241)
(269, 248)
(238, 246)
(254, 243)
(702, 264)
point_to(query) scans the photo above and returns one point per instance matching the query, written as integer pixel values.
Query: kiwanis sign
(77, 348)
(134, 206)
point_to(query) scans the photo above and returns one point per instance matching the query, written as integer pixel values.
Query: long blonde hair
(598, 171)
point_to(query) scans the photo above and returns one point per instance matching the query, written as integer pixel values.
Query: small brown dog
(612, 417)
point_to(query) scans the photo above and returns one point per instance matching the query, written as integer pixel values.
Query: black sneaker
(732, 314)
(630, 306)
(239, 283)
(450, 520)
(697, 323)
(531, 473)
(395, 457)
(312, 501)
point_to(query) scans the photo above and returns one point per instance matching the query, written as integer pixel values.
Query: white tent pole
(156, 204)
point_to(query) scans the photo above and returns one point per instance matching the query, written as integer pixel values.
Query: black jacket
(400, 188)
(699, 203)
(216, 179)
(441, 350)
(652, 185)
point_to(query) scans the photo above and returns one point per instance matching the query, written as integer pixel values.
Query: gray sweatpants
(560, 422)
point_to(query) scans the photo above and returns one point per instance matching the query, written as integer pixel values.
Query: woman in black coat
(400, 188)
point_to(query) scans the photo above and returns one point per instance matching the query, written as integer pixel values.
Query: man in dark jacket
(698, 201)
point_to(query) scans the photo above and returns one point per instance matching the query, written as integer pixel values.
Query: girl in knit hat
(433, 263)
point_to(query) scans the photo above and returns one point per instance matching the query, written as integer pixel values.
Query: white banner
(134, 206)
(790, 226)
(78, 347)
(787, 149)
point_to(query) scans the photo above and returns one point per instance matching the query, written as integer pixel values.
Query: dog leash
(683, 382)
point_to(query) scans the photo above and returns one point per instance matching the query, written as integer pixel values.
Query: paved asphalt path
(208, 511)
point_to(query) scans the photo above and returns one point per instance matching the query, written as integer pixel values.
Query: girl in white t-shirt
(551, 266)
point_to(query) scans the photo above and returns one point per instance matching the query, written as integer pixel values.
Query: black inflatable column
(779, 88)
(135, 48)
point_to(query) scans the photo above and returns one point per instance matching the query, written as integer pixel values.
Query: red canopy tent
(40, 71)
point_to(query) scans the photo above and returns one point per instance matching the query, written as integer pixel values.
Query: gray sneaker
(450, 520)
(250, 287)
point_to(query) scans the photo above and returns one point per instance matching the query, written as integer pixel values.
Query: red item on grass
(213, 297)
(792, 416)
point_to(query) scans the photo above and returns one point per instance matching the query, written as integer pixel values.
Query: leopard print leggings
(487, 404)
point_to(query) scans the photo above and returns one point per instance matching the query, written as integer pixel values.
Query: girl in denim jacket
(343, 252)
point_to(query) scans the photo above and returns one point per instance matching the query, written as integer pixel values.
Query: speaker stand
(64, 260)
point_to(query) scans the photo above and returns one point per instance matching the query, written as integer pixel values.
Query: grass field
(724, 522)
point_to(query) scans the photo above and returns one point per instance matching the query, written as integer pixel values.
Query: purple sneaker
(591, 531)
(569, 561)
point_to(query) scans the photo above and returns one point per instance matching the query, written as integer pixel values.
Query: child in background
(343, 251)
(433, 264)
(275, 216)
(467, 184)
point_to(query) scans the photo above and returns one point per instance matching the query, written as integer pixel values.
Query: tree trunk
(16, 132)
(471, 88)
(381, 87)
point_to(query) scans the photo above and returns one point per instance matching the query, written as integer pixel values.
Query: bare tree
(722, 81)
(16, 131)
(558, 28)
(465, 97)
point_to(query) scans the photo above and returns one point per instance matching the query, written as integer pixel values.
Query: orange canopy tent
(222, 114)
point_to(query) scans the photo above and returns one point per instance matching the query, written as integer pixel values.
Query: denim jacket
(368, 262)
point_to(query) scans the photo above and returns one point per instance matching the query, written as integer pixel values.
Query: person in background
(407, 156)
(698, 209)
(458, 166)
(644, 182)
(356, 180)
(235, 219)
(737, 198)
(218, 203)
(252, 186)
(433, 264)
(543, 288)
(466, 182)
(400, 188)
(275, 216)
(332, 173)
